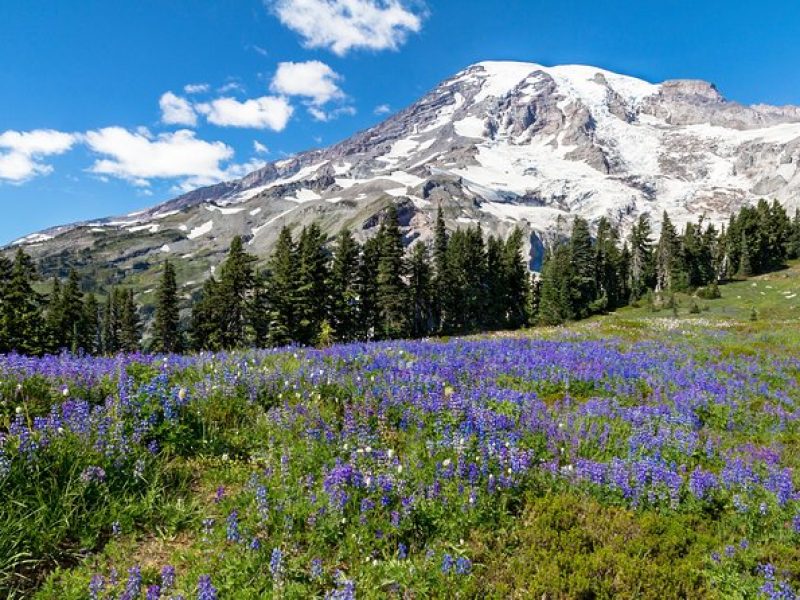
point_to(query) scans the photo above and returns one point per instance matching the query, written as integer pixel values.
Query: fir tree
(516, 280)
(420, 291)
(259, 311)
(167, 334)
(641, 274)
(21, 320)
(391, 292)
(668, 273)
(205, 319)
(233, 293)
(745, 265)
(71, 314)
(110, 323)
(343, 287)
(91, 341)
(582, 269)
(281, 290)
(311, 293)
(556, 298)
(368, 311)
(54, 337)
(129, 322)
(441, 284)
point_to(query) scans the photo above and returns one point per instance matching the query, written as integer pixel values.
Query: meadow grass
(637, 455)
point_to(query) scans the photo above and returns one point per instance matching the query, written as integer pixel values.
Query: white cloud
(140, 156)
(344, 25)
(267, 112)
(176, 110)
(312, 79)
(260, 148)
(196, 88)
(231, 86)
(383, 109)
(24, 149)
(318, 114)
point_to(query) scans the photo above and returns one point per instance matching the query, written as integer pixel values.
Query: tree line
(312, 292)
(586, 275)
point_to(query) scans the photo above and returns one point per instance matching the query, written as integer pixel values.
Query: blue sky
(96, 117)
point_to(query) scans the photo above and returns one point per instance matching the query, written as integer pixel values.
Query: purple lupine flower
(167, 577)
(316, 569)
(232, 529)
(447, 564)
(205, 590)
(402, 551)
(96, 586)
(153, 592)
(463, 566)
(93, 474)
(134, 584)
(276, 563)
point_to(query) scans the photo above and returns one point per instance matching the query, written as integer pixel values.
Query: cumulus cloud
(196, 88)
(260, 148)
(21, 152)
(344, 25)
(176, 110)
(383, 109)
(138, 156)
(267, 112)
(311, 79)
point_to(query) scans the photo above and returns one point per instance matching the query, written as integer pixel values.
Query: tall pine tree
(167, 334)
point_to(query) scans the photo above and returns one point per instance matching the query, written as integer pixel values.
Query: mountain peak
(501, 143)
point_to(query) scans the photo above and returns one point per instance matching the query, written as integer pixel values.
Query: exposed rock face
(503, 144)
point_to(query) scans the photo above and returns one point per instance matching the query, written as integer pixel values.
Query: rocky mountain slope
(500, 143)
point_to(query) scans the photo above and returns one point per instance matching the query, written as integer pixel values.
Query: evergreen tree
(343, 287)
(516, 280)
(91, 341)
(233, 293)
(205, 319)
(54, 336)
(71, 313)
(442, 289)
(745, 264)
(110, 323)
(311, 292)
(129, 324)
(167, 334)
(467, 299)
(642, 269)
(607, 260)
(582, 269)
(259, 311)
(497, 301)
(281, 290)
(391, 291)
(668, 263)
(368, 311)
(21, 320)
(793, 240)
(556, 297)
(420, 291)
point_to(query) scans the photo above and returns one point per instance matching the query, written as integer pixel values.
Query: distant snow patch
(201, 230)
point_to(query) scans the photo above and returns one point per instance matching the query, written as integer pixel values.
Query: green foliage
(167, 334)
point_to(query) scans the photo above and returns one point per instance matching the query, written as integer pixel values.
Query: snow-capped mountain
(500, 143)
